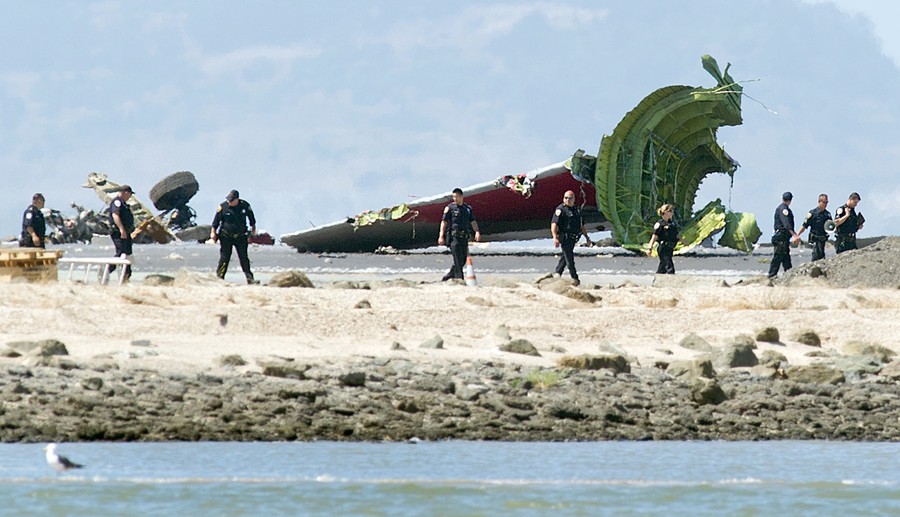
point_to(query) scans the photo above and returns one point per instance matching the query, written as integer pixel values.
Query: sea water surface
(455, 478)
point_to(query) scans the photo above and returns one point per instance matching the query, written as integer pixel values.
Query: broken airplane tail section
(659, 153)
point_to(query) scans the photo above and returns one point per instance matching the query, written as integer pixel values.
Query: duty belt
(461, 233)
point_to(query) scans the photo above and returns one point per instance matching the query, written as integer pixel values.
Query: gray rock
(891, 370)
(701, 367)
(815, 373)
(232, 360)
(470, 392)
(864, 348)
(92, 383)
(353, 379)
(502, 332)
(520, 346)
(350, 284)
(807, 337)
(397, 346)
(49, 347)
(9, 353)
(582, 296)
(141, 342)
(157, 280)
(435, 343)
(616, 363)
(290, 279)
(858, 367)
(768, 335)
(734, 356)
(285, 371)
(363, 304)
(772, 358)
(743, 339)
(707, 392)
(764, 371)
(694, 342)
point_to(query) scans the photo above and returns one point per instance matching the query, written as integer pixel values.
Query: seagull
(57, 462)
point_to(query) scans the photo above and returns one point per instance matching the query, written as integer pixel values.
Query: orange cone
(470, 273)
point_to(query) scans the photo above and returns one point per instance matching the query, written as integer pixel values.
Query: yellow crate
(31, 274)
(29, 257)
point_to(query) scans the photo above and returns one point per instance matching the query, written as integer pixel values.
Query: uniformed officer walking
(781, 239)
(229, 227)
(457, 226)
(847, 222)
(665, 231)
(567, 227)
(121, 228)
(815, 220)
(33, 225)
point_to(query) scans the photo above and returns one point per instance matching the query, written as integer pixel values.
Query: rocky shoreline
(48, 397)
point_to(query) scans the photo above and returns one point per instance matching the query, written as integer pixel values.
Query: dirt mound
(876, 265)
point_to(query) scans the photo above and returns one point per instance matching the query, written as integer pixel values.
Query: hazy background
(320, 110)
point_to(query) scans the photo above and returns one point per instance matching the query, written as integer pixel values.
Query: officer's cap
(234, 194)
(787, 196)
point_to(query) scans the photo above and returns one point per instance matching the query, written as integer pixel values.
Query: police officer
(229, 227)
(847, 222)
(815, 220)
(781, 239)
(567, 227)
(457, 226)
(665, 231)
(33, 225)
(121, 228)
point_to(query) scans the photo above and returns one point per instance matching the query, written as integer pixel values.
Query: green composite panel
(660, 153)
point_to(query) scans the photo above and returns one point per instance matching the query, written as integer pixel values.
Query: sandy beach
(354, 318)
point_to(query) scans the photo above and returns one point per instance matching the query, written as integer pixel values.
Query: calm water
(455, 478)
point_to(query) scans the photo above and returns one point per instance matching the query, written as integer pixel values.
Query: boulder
(694, 342)
(290, 279)
(616, 363)
(864, 348)
(157, 280)
(701, 367)
(707, 391)
(734, 356)
(520, 346)
(807, 337)
(772, 358)
(815, 373)
(435, 343)
(768, 335)
(743, 339)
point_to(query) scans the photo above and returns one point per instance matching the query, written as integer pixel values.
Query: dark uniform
(568, 227)
(230, 224)
(667, 235)
(34, 218)
(123, 246)
(815, 221)
(459, 219)
(845, 234)
(781, 240)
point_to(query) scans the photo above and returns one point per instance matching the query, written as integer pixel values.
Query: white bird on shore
(57, 462)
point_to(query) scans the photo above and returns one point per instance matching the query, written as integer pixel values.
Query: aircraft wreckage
(659, 153)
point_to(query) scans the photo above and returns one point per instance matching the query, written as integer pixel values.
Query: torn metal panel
(660, 153)
(741, 231)
(149, 224)
(394, 213)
